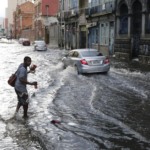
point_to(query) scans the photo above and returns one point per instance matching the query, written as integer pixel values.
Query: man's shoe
(25, 117)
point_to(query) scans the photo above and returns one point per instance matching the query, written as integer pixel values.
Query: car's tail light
(84, 62)
(106, 61)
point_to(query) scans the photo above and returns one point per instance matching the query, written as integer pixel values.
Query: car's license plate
(95, 62)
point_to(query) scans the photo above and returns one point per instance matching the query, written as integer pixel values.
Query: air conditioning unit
(58, 14)
(103, 7)
(72, 12)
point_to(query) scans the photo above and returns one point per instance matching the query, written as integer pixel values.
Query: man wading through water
(20, 85)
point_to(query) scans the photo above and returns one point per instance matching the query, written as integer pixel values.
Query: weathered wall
(29, 34)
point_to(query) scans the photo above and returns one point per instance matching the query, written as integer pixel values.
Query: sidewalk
(133, 65)
(52, 46)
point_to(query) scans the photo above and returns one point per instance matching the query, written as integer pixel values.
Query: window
(89, 53)
(147, 23)
(93, 36)
(104, 33)
(74, 4)
(47, 10)
(75, 54)
(70, 54)
(123, 19)
(123, 25)
(94, 3)
(96, 35)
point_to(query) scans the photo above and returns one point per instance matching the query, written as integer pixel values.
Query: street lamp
(60, 8)
(62, 25)
(46, 25)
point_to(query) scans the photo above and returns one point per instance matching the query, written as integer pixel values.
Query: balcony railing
(108, 7)
(69, 13)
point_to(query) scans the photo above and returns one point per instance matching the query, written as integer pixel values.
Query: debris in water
(55, 122)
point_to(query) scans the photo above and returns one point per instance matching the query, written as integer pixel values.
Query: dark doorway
(46, 35)
(83, 37)
(123, 19)
(147, 19)
(136, 27)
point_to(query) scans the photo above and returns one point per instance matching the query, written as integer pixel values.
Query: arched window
(123, 19)
(137, 17)
(147, 19)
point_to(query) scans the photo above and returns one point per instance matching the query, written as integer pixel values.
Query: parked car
(26, 42)
(40, 45)
(9, 38)
(20, 40)
(87, 61)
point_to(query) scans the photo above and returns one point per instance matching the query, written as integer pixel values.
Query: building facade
(9, 15)
(45, 18)
(23, 17)
(68, 19)
(133, 30)
(101, 25)
(52, 23)
(89, 24)
(19, 2)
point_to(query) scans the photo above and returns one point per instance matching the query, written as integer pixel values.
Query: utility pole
(64, 35)
(62, 25)
(60, 9)
(47, 25)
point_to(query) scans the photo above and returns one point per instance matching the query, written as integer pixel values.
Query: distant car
(87, 61)
(21, 40)
(40, 45)
(3, 36)
(26, 42)
(9, 38)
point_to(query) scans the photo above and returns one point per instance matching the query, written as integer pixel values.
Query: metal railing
(107, 7)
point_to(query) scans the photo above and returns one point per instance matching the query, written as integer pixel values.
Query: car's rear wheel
(64, 66)
(106, 72)
(77, 70)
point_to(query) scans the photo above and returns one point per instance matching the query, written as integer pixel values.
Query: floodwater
(95, 112)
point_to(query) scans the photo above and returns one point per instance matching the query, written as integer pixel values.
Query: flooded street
(96, 112)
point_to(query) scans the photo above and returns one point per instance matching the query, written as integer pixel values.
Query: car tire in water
(106, 72)
(77, 70)
(64, 66)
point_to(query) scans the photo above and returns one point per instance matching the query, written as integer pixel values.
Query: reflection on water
(95, 111)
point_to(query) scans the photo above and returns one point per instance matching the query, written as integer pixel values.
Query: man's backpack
(12, 79)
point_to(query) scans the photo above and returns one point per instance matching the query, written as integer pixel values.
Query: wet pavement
(94, 112)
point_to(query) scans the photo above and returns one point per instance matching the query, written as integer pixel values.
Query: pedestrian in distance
(21, 85)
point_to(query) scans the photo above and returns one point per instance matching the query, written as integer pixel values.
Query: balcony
(106, 8)
(67, 15)
(74, 12)
(70, 13)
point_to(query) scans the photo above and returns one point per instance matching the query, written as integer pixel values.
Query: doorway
(136, 28)
(111, 38)
(46, 35)
(82, 37)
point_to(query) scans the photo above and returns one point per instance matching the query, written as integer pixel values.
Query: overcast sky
(3, 5)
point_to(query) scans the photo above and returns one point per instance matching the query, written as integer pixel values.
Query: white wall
(11, 8)
(23, 1)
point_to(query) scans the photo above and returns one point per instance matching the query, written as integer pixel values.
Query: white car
(87, 61)
(40, 45)
(21, 40)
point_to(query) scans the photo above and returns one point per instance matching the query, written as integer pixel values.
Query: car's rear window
(40, 42)
(89, 53)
